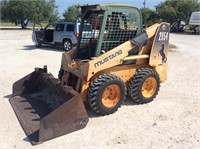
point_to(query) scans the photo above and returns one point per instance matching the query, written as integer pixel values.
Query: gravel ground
(172, 120)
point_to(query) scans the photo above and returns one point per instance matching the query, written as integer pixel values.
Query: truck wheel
(67, 44)
(144, 85)
(106, 94)
(39, 45)
(197, 29)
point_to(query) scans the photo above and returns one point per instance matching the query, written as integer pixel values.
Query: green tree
(24, 11)
(4, 11)
(149, 17)
(71, 13)
(53, 11)
(45, 11)
(175, 10)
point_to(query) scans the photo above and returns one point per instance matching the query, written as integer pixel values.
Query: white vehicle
(62, 34)
(195, 22)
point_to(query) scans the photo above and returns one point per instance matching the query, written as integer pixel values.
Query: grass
(7, 24)
(172, 47)
(44, 24)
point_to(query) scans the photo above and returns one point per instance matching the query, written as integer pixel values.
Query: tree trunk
(15, 22)
(24, 23)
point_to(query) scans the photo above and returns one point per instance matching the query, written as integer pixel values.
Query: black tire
(67, 44)
(112, 85)
(139, 85)
(39, 45)
(60, 73)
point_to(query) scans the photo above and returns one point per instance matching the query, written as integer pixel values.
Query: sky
(63, 4)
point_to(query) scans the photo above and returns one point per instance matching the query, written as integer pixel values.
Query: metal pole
(144, 3)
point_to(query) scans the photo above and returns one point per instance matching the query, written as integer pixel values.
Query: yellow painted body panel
(99, 63)
(111, 62)
(125, 72)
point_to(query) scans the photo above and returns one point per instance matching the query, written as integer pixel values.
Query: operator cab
(111, 26)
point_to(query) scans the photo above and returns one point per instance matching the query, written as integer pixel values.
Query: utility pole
(144, 3)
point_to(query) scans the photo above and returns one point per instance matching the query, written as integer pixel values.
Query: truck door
(49, 33)
(59, 30)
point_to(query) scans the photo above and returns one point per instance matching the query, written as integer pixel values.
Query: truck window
(86, 27)
(50, 27)
(70, 27)
(60, 27)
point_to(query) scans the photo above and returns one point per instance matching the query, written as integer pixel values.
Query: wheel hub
(149, 87)
(67, 45)
(111, 96)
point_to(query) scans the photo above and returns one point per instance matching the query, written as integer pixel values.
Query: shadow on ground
(8, 96)
(92, 114)
(44, 47)
(184, 33)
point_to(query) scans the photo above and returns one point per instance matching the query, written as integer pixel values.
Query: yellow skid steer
(119, 58)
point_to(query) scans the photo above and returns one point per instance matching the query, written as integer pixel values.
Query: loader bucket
(45, 109)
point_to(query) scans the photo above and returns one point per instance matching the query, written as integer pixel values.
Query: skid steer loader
(119, 58)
